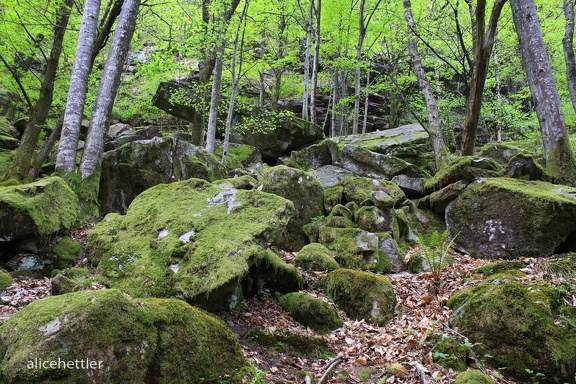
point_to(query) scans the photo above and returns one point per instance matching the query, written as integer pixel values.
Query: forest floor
(361, 352)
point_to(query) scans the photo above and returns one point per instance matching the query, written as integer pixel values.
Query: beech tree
(109, 83)
(66, 158)
(568, 47)
(560, 162)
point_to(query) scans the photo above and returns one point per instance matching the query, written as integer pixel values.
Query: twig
(422, 370)
(333, 364)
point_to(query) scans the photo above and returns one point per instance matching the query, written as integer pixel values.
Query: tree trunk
(315, 63)
(234, 85)
(214, 101)
(559, 157)
(366, 99)
(306, 93)
(434, 128)
(21, 164)
(498, 89)
(361, 35)
(568, 45)
(108, 88)
(484, 42)
(46, 148)
(66, 159)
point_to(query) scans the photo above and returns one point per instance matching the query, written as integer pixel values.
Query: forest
(287, 191)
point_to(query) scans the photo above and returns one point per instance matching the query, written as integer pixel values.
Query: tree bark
(108, 88)
(559, 157)
(306, 93)
(434, 128)
(39, 113)
(568, 45)
(315, 62)
(484, 42)
(66, 158)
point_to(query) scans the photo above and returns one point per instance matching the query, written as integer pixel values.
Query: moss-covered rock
(509, 218)
(472, 377)
(502, 153)
(316, 257)
(139, 165)
(355, 248)
(504, 266)
(240, 182)
(520, 326)
(305, 192)
(373, 219)
(77, 273)
(42, 208)
(191, 239)
(65, 251)
(368, 192)
(292, 344)
(311, 157)
(311, 312)
(362, 295)
(449, 353)
(5, 280)
(239, 155)
(525, 167)
(61, 284)
(467, 168)
(104, 336)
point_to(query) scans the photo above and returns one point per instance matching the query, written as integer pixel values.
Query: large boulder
(307, 195)
(174, 97)
(105, 336)
(197, 241)
(139, 165)
(520, 326)
(311, 312)
(362, 295)
(467, 169)
(41, 208)
(509, 218)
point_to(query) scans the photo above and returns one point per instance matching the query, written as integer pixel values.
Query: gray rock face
(139, 165)
(330, 175)
(195, 241)
(508, 218)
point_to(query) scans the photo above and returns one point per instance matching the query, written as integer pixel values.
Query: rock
(195, 241)
(41, 208)
(65, 252)
(525, 167)
(473, 377)
(139, 165)
(439, 200)
(316, 257)
(174, 98)
(5, 280)
(61, 285)
(240, 156)
(508, 218)
(27, 262)
(105, 336)
(389, 248)
(520, 326)
(373, 219)
(311, 312)
(132, 135)
(120, 129)
(307, 195)
(362, 295)
(312, 157)
(501, 153)
(449, 353)
(467, 168)
(330, 175)
(504, 266)
(370, 192)
(8, 142)
(412, 186)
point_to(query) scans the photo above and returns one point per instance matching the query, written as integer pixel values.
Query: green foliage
(435, 248)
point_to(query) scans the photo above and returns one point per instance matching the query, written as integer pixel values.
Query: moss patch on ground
(292, 344)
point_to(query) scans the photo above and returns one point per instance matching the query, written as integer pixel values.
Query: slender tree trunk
(498, 88)
(434, 128)
(39, 113)
(484, 43)
(66, 159)
(559, 157)
(306, 93)
(46, 148)
(214, 102)
(366, 97)
(361, 35)
(262, 89)
(108, 88)
(234, 85)
(315, 62)
(568, 45)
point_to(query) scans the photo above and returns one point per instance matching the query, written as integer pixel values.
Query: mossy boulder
(371, 192)
(8, 142)
(502, 153)
(42, 208)
(316, 257)
(239, 155)
(509, 218)
(305, 192)
(504, 266)
(467, 168)
(525, 167)
(105, 336)
(449, 353)
(355, 248)
(473, 377)
(311, 312)
(362, 295)
(312, 157)
(375, 219)
(330, 175)
(141, 164)
(5, 280)
(65, 251)
(520, 326)
(192, 240)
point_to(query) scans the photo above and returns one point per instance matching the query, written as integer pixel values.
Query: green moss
(560, 164)
(362, 295)
(366, 373)
(44, 207)
(316, 257)
(332, 197)
(364, 191)
(463, 168)
(473, 377)
(189, 238)
(163, 339)
(77, 273)
(289, 343)
(239, 155)
(87, 191)
(311, 312)
(6, 158)
(5, 280)
(65, 251)
(449, 353)
(240, 182)
(494, 268)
